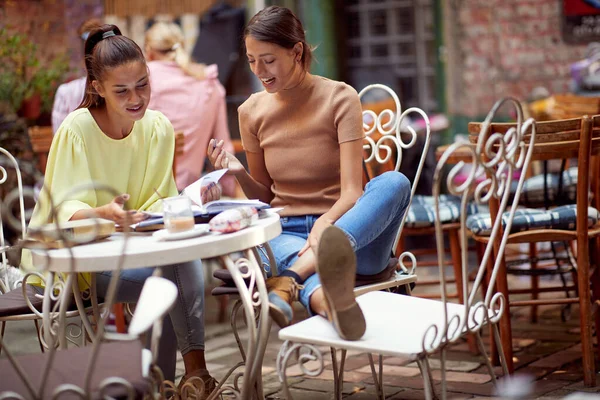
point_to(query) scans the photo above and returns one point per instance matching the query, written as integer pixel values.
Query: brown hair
(278, 25)
(106, 48)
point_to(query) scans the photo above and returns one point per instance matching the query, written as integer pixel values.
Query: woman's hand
(210, 193)
(220, 159)
(315, 235)
(114, 211)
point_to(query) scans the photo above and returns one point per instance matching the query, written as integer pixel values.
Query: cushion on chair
(13, 302)
(563, 217)
(533, 188)
(421, 213)
(116, 359)
(384, 275)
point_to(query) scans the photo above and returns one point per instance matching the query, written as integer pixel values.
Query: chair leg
(595, 282)
(486, 360)
(505, 323)
(583, 281)
(37, 332)
(3, 326)
(458, 277)
(427, 379)
(119, 312)
(377, 379)
(234, 312)
(535, 281)
(338, 373)
(223, 303)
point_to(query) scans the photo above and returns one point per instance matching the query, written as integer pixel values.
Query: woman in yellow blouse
(114, 140)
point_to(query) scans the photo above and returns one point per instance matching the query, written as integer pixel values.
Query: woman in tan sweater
(303, 141)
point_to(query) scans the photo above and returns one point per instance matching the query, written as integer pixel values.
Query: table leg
(254, 298)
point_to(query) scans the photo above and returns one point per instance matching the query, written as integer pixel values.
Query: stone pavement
(546, 355)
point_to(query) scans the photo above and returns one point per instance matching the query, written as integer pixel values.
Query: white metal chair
(414, 327)
(13, 303)
(119, 368)
(385, 124)
(18, 300)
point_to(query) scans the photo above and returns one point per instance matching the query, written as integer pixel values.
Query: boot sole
(336, 265)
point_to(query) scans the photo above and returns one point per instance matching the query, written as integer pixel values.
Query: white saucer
(198, 230)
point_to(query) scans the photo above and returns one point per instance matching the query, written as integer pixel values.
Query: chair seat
(421, 213)
(564, 191)
(396, 325)
(563, 217)
(116, 359)
(13, 302)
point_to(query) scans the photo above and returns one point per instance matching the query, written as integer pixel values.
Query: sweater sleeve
(347, 114)
(247, 133)
(67, 171)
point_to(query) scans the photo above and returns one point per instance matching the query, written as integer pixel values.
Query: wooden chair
(412, 327)
(41, 139)
(179, 146)
(572, 138)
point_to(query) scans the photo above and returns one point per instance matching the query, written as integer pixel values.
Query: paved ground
(547, 357)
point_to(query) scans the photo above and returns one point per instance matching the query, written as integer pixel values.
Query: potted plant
(27, 86)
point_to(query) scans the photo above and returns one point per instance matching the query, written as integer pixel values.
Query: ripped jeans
(370, 225)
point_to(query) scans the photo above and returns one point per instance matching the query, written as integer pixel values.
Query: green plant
(22, 74)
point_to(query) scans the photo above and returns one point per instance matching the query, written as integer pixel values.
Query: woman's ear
(298, 51)
(98, 88)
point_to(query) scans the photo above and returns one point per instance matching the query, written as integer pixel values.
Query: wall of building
(51, 24)
(497, 48)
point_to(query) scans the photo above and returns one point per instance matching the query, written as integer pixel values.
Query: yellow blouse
(139, 165)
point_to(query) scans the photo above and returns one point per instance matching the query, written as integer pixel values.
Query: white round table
(146, 250)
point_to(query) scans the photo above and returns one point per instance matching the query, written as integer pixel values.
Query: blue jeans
(184, 326)
(370, 225)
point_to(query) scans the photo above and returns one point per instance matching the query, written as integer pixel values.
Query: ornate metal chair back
(493, 160)
(386, 128)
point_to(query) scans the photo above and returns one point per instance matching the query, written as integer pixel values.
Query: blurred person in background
(191, 97)
(69, 95)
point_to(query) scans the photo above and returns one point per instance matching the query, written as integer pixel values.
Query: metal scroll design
(383, 138)
(304, 353)
(493, 161)
(6, 208)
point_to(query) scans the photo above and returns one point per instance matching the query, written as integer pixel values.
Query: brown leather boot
(283, 290)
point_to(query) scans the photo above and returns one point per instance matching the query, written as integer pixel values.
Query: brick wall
(51, 24)
(505, 47)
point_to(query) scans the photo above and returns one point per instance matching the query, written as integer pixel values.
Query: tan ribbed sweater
(299, 131)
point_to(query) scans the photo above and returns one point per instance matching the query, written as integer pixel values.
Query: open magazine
(203, 211)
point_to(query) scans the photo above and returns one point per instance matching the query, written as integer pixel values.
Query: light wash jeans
(370, 225)
(184, 326)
